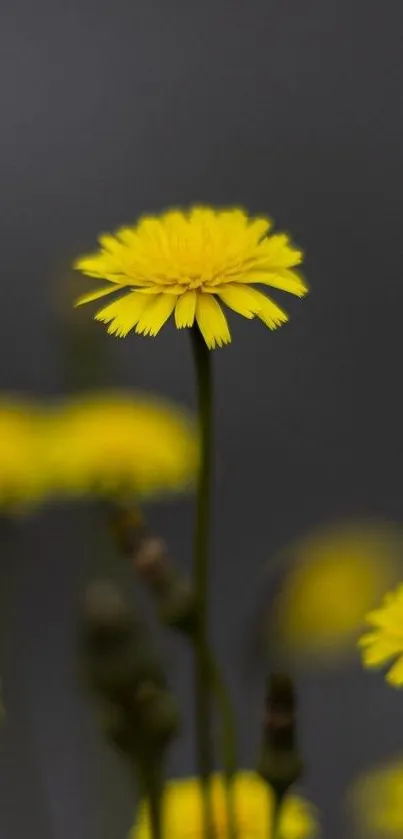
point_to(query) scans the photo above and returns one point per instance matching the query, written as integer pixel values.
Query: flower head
(111, 442)
(335, 577)
(182, 811)
(376, 799)
(383, 643)
(23, 472)
(183, 263)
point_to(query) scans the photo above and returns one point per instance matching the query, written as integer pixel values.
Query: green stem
(204, 748)
(228, 741)
(278, 798)
(151, 783)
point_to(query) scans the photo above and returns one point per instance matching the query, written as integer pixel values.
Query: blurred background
(288, 108)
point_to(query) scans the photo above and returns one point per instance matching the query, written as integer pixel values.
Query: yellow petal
(395, 675)
(95, 295)
(111, 265)
(91, 264)
(123, 314)
(277, 252)
(258, 228)
(156, 313)
(367, 640)
(212, 321)
(380, 651)
(103, 266)
(284, 280)
(110, 243)
(243, 299)
(253, 805)
(271, 314)
(185, 309)
(162, 288)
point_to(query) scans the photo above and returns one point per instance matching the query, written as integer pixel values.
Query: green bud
(116, 654)
(158, 714)
(280, 769)
(105, 615)
(177, 607)
(280, 764)
(118, 730)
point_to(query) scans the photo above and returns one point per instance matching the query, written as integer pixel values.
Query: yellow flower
(183, 262)
(182, 811)
(111, 442)
(23, 472)
(376, 798)
(384, 642)
(335, 577)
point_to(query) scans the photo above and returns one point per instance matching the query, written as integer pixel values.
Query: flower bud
(280, 764)
(158, 715)
(150, 561)
(105, 614)
(129, 529)
(116, 653)
(177, 607)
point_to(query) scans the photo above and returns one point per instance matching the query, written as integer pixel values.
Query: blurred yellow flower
(335, 577)
(376, 799)
(23, 472)
(182, 811)
(182, 261)
(112, 442)
(383, 643)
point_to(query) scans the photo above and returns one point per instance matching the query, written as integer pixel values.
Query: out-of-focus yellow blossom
(182, 811)
(335, 577)
(376, 799)
(383, 643)
(23, 469)
(112, 442)
(182, 263)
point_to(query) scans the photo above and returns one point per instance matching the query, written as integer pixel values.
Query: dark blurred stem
(228, 741)
(277, 797)
(204, 747)
(152, 789)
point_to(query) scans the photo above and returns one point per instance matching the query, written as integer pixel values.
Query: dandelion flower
(335, 577)
(23, 471)
(376, 799)
(182, 816)
(383, 643)
(111, 442)
(185, 264)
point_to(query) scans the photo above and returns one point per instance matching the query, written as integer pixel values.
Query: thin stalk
(278, 798)
(228, 741)
(204, 747)
(151, 784)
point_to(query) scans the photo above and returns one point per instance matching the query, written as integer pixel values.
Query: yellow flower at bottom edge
(183, 263)
(23, 468)
(336, 575)
(182, 811)
(376, 799)
(110, 442)
(383, 643)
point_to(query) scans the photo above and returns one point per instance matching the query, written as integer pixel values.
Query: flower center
(195, 282)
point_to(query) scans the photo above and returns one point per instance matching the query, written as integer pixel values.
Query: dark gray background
(293, 108)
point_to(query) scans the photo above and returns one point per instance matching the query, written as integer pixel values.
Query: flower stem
(204, 748)
(228, 742)
(151, 783)
(277, 804)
